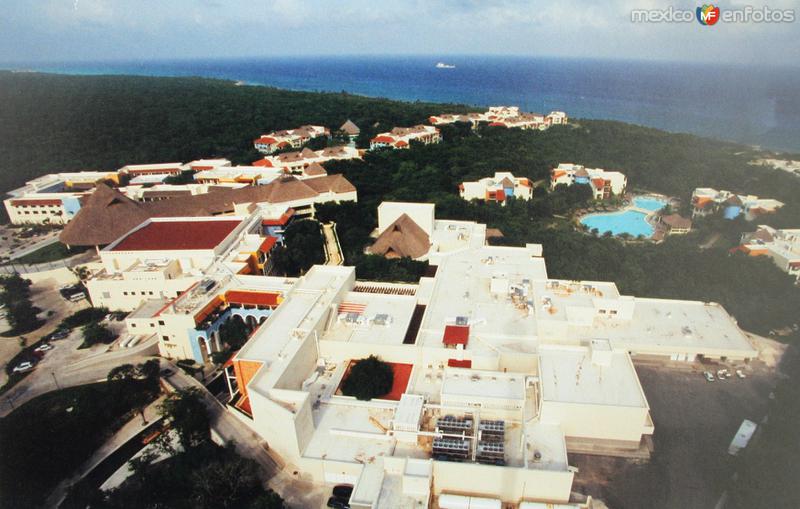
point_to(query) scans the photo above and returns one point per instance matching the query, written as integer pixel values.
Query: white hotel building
(501, 373)
(603, 184)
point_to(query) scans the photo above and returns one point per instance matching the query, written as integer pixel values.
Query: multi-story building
(500, 188)
(307, 162)
(288, 138)
(500, 372)
(604, 184)
(54, 198)
(782, 245)
(504, 116)
(707, 201)
(401, 137)
(106, 214)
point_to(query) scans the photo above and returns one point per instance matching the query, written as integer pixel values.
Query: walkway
(333, 251)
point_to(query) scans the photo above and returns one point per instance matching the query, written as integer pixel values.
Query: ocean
(752, 105)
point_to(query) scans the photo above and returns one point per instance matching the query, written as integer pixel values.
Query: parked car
(709, 376)
(343, 491)
(740, 373)
(60, 334)
(44, 347)
(22, 367)
(338, 503)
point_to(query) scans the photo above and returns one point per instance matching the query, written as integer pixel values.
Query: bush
(368, 378)
(95, 333)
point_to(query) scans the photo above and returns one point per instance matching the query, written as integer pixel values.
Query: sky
(96, 30)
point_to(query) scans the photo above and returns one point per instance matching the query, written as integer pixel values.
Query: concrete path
(333, 251)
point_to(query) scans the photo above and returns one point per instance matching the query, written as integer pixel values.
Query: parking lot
(695, 421)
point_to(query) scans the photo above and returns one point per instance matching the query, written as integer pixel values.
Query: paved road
(66, 366)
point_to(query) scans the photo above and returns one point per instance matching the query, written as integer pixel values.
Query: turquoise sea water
(628, 221)
(750, 104)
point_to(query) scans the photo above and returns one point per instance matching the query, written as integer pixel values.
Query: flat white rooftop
(568, 375)
(345, 433)
(372, 318)
(462, 288)
(485, 384)
(670, 325)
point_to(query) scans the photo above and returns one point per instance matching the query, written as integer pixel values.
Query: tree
(225, 484)
(233, 332)
(188, 415)
(94, 333)
(368, 378)
(304, 248)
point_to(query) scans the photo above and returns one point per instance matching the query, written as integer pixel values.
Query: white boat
(442, 65)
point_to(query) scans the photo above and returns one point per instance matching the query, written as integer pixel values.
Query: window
(133, 325)
(161, 322)
(613, 312)
(165, 338)
(106, 295)
(124, 293)
(152, 324)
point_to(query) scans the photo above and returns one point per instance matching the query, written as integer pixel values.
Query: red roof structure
(34, 202)
(263, 162)
(245, 297)
(455, 363)
(268, 244)
(177, 235)
(456, 335)
(383, 139)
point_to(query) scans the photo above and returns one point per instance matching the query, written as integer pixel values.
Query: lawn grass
(50, 253)
(45, 440)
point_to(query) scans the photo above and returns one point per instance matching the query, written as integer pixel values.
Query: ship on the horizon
(442, 65)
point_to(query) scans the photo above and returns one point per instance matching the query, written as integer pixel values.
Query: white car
(709, 376)
(740, 373)
(23, 367)
(44, 347)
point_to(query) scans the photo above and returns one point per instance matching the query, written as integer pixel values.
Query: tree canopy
(368, 378)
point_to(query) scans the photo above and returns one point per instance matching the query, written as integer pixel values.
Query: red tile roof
(177, 235)
(383, 139)
(245, 297)
(268, 244)
(455, 363)
(266, 140)
(456, 335)
(263, 162)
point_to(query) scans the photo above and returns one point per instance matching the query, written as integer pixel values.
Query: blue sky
(69, 30)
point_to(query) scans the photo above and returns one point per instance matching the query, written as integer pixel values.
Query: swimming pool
(629, 221)
(649, 203)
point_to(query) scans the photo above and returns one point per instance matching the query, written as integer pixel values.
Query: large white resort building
(603, 183)
(501, 372)
(504, 116)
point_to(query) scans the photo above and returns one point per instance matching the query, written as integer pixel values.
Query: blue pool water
(627, 221)
(647, 203)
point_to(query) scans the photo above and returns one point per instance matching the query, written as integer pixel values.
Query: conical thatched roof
(104, 216)
(402, 238)
(350, 128)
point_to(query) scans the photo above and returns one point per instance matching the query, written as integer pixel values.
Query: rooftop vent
(462, 320)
